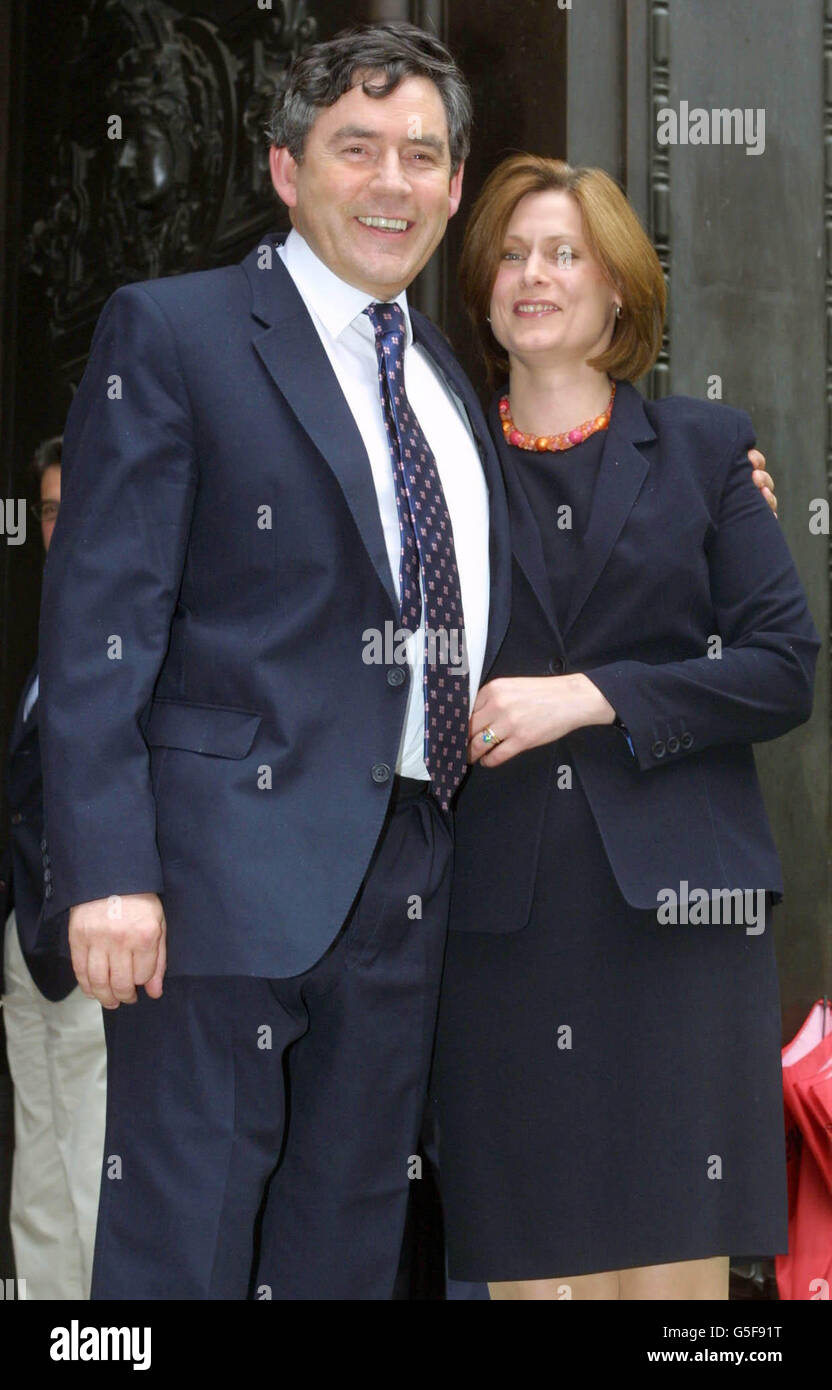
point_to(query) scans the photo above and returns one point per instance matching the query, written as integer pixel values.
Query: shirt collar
(336, 303)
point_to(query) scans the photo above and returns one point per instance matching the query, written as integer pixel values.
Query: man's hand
(763, 480)
(118, 943)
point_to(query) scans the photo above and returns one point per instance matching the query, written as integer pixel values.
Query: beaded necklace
(553, 443)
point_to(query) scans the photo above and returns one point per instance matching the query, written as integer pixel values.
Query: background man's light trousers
(58, 1061)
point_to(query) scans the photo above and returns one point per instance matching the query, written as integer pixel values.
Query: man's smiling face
(374, 191)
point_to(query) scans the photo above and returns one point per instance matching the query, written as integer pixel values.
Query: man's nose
(390, 175)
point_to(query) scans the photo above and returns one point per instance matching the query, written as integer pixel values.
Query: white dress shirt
(31, 698)
(337, 311)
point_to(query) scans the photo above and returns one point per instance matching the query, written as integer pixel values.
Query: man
(228, 545)
(280, 489)
(54, 1034)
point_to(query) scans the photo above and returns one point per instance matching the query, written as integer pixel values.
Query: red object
(806, 1272)
(553, 443)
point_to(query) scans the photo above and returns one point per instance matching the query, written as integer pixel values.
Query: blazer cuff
(59, 895)
(654, 741)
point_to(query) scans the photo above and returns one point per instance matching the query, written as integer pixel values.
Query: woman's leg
(583, 1286)
(689, 1279)
(686, 1279)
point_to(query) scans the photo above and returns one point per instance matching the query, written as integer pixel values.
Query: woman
(608, 1056)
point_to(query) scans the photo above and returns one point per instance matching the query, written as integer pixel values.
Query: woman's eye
(511, 256)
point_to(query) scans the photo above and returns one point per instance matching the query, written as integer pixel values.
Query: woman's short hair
(384, 53)
(615, 238)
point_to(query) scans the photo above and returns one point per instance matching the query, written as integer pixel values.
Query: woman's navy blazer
(680, 550)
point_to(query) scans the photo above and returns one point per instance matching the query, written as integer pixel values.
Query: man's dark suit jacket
(210, 731)
(680, 548)
(21, 872)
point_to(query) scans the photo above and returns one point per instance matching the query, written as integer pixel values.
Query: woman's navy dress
(608, 1089)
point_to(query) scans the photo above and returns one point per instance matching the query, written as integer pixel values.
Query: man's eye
(354, 149)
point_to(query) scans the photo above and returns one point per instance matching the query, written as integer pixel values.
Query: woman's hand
(527, 711)
(761, 478)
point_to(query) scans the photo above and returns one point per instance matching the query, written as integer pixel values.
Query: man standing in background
(54, 1033)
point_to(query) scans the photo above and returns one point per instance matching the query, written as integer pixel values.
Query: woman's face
(551, 303)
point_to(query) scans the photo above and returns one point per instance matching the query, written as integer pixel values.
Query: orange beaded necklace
(553, 443)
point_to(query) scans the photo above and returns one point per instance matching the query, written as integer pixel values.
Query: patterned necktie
(427, 545)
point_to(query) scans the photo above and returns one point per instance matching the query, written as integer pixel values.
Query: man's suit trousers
(262, 1133)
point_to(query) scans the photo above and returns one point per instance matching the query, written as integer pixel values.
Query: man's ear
(284, 170)
(455, 190)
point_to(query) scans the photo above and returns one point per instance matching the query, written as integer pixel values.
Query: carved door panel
(135, 148)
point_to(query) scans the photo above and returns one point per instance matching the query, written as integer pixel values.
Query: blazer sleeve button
(16, 817)
(556, 666)
(380, 772)
(673, 744)
(687, 740)
(395, 676)
(658, 750)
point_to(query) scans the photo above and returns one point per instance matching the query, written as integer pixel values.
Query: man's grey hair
(386, 53)
(47, 455)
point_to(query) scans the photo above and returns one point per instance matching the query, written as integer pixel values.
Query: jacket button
(16, 817)
(380, 772)
(658, 750)
(673, 744)
(395, 676)
(43, 844)
(687, 740)
(556, 666)
(47, 892)
(47, 875)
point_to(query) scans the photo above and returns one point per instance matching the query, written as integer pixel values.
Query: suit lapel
(526, 542)
(428, 336)
(621, 475)
(294, 356)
